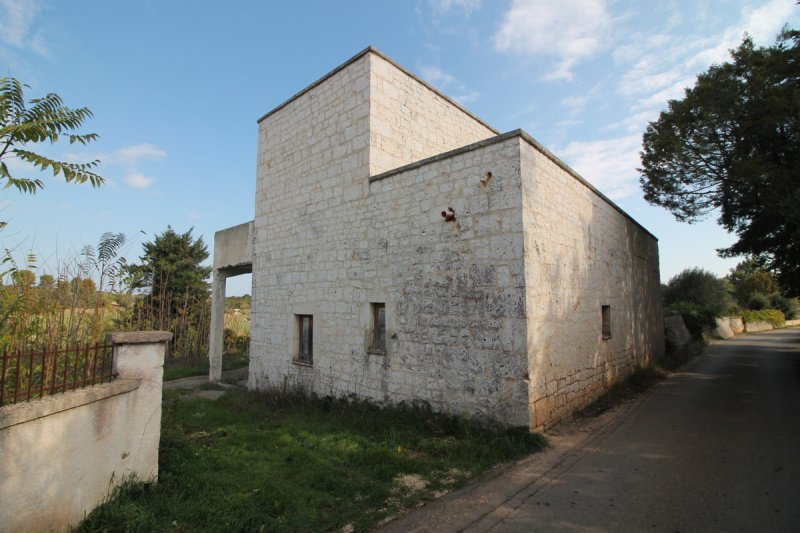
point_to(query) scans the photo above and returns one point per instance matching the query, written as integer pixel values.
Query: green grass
(176, 369)
(270, 462)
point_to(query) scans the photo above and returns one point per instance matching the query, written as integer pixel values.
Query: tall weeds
(84, 298)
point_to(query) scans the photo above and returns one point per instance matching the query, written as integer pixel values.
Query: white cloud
(467, 97)
(567, 30)
(128, 157)
(443, 6)
(575, 102)
(17, 19)
(762, 24)
(437, 76)
(137, 180)
(144, 150)
(660, 66)
(608, 164)
(449, 84)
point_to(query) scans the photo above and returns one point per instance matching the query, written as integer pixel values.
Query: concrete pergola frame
(233, 256)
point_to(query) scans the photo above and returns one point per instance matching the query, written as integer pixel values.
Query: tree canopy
(171, 268)
(732, 146)
(701, 288)
(46, 119)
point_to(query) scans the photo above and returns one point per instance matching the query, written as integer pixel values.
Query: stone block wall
(581, 253)
(487, 314)
(454, 291)
(312, 165)
(409, 121)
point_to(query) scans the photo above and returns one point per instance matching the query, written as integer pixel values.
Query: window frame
(605, 321)
(377, 309)
(303, 356)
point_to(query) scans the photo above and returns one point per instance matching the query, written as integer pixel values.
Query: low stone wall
(753, 327)
(723, 329)
(736, 324)
(61, 456)
(792, 323)
(675, 333)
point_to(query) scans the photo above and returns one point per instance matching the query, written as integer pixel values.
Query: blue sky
(176, 88)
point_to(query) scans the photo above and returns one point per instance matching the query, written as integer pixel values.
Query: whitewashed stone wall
(61, 456)
(581, 253)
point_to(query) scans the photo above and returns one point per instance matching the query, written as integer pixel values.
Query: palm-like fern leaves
(47, 119)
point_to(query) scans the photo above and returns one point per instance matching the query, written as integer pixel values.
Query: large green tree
(171, 269)
(731, 146)
(748, 278)
(40, 120)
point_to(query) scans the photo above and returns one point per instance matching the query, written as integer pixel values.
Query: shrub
(757, 301)
(772, 316)
(701, 288)
(788, 306)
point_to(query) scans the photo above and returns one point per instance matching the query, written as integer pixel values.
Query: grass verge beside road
(289, 462)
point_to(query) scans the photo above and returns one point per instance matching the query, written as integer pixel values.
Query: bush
(772, 316)
(700, 288)
(788, 306)
(757, 301)
(695, 317)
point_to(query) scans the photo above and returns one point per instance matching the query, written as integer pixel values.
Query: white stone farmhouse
(403, 249)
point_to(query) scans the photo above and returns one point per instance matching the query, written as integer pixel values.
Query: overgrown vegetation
(677, 356)
(176, 292)
(771, 316)
(64, 309)
(700, 296)
(287, 461)
(97, 292)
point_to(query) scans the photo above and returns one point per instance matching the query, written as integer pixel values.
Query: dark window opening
(378, 327)
(606, 321)
(305, 328)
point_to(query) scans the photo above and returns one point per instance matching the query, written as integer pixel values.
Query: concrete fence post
(61, 455)
(139, 355)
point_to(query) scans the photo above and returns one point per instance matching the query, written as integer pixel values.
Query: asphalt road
(715, 447)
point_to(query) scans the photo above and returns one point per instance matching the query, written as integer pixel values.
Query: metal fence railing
(26, 376)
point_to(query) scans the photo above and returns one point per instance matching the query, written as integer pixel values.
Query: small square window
(378, 327)
(606, 329)
(305, 336)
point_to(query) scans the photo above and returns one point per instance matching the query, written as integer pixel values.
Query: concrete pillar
(217, 330)
(139, 355)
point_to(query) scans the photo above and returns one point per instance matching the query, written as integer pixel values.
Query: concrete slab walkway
(229, 378)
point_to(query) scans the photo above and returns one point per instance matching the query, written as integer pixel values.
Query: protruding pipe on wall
(449, 215)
